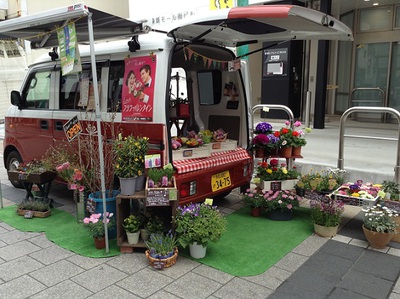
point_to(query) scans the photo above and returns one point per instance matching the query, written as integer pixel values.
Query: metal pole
(308, 109)
(98, 121)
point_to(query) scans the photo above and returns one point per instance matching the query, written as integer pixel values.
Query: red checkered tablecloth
(215, 159)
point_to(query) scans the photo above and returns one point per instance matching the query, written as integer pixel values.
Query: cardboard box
(191, 153)
(226, 145)
(156, 197)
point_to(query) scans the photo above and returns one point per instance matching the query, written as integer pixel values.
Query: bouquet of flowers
(220, 135)
(72, 174)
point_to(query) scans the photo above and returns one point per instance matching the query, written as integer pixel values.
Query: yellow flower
(284, 170)
(269, 171)
(355, 194)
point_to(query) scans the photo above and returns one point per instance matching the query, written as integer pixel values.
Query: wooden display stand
(123, 211)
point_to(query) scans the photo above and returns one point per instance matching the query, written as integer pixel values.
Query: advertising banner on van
(69, 53)
(138, 88)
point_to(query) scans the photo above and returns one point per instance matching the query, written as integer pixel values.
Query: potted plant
(273, 171)
(95, 225)
(280, 204)
(131, 225)
(392, 190)
(197, 225)
(255, 200)
(379, 225)
(154, 225)
(160, 177)
(326, 214)
(324, 181)
(162, 250)
(34, 208)
(129, 162)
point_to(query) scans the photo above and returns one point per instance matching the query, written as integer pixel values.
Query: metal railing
(383, 100)
(342, 126)
(266, 108)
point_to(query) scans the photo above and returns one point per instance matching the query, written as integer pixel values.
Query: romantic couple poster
(138, 88)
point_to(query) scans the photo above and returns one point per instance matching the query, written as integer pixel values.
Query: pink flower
(289, 206)
(287, 122)
(86, 220)
(81, 188)
(73, 186)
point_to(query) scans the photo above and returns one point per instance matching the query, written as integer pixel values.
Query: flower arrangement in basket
(95, 223)
(200, 223)
(274, 171)
(281, 200)
(220, 135)
(129, 155)
(162, 250)
(326, 211)
(35, 166)
(380, 219)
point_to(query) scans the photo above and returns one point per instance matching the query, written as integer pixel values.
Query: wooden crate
(226, 145)
(156, 197)
(191, 153)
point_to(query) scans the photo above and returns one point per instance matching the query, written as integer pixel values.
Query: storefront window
(375, 19)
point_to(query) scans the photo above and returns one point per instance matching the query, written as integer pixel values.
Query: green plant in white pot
(131, 225)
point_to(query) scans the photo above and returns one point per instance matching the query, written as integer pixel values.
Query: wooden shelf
(123, 206)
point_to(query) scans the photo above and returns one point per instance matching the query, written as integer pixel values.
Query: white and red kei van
(190, 66)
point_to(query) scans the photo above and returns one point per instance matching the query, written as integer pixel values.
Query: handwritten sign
(72, 128)
(275, 186)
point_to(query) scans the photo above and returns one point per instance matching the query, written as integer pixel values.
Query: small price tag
(208, 201)
(265, 109)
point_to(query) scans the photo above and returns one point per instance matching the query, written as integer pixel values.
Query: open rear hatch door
(251, 24)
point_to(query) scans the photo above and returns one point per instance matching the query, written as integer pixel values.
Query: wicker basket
(162, 263)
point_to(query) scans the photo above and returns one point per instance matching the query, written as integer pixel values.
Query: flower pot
(162, 263)
(144, 234)
(296, 151)
(128, 185)
(377, 240)
(259, 152)
(325, 231)
(99, 242)
(255, 211)
(301, 192)
(197, 251)
(133, 238)
(285, 152)
(280, 215)
(140, 182)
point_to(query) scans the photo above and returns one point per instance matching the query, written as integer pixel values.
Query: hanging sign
(69, 52)
(72, 128)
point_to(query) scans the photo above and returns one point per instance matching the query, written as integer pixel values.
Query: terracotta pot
(325, 231)
(100, 242)
(396, 237)
(255, 212)
(377, 240)
(296, 151)
(259, 152)
(285, 152)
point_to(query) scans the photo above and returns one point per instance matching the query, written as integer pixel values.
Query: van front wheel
(13, 160)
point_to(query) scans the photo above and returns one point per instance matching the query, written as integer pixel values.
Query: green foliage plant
(132, 224)
(380, 219)
(254, 198)
(34, 205)
(161, 245)
(200, 223)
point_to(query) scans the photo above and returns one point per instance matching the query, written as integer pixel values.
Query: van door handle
(59, 126)
(44, 125)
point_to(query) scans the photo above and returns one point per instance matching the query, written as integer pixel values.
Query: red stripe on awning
(215, 159)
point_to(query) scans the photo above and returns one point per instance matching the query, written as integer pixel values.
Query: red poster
(138, 89)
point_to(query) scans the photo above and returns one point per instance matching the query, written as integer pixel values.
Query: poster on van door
(138, 88)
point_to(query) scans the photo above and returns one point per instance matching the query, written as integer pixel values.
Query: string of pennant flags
(222, 65)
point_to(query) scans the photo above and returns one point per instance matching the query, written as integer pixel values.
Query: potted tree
(129, 162)
(131, 225)
(326, 214)
(197, 225)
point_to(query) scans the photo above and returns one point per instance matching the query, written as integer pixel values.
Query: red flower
(274, 162)
(285, 130)
(295, 133)
(277, 134)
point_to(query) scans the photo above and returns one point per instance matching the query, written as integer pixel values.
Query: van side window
(72, 85)
(115, 83)
(210, 87)
(37, 94)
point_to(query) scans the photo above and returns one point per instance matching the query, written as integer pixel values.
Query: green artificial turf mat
(251, 245)
(60, 228)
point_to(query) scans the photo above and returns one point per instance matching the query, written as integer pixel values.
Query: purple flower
(263, 128)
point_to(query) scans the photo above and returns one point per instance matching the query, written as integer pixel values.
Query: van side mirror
(16, 99)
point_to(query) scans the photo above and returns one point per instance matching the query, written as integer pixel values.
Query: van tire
(13, 160)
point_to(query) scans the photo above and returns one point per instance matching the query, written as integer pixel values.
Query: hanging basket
(162, 263)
